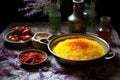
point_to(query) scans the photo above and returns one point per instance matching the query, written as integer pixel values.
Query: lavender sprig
(6, 54)
(7, 71)
(37, 6)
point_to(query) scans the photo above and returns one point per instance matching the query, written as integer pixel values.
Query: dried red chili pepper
(32, 57)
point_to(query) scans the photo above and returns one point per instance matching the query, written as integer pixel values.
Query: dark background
(9, 12)
(109, 8)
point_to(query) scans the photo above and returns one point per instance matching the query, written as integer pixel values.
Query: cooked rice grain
(79, 49)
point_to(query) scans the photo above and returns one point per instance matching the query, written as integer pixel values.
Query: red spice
(79, 43)
(32, 57)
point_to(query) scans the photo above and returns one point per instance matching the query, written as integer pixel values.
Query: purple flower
(58, 69)
(45, 69)
(32, 13)
(41, 74)
(36, 6)
(14, 65)
(7, 71)
(24, 9)
(5, 53)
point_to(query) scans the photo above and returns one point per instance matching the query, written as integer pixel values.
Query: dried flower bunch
(37, 6)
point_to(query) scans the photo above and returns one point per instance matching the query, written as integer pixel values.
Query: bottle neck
(105, 21)
(78, 8)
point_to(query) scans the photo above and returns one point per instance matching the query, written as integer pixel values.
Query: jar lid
(78, 1)
(105, 18)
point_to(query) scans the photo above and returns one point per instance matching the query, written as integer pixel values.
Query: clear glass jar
(77, 20)
(105, 28)
(55, 23)
(54, 16)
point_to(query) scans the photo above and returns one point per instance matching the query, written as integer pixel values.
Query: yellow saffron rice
(79, 49)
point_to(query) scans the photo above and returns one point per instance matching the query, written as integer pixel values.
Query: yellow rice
(79, 49)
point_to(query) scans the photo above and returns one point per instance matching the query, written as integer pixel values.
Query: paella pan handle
(111, 55)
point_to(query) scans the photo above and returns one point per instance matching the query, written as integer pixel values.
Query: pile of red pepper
(32, 57)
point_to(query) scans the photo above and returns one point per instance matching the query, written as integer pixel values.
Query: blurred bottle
(77, 20)
(90, 15)
(105, 28)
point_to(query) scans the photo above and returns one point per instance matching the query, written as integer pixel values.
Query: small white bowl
(39, 38)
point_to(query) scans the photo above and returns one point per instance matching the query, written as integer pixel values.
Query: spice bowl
(18, 36)
(32, 57)
(39, 39)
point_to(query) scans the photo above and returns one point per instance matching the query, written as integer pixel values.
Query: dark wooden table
(11, 68)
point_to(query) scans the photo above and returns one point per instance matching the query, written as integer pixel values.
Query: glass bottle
(90, 15)
(54, 17)
(55, 22)
(105, 28)
(77, 21)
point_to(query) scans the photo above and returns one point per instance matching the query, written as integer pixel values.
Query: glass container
(105, 28)
(54, 16)
(77, 21)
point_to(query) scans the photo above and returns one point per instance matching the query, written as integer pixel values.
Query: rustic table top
(11, 68)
